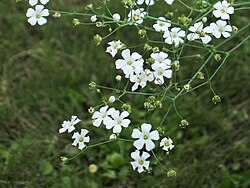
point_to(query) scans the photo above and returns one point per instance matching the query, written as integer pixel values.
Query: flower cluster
(145, 137)
(79, 138)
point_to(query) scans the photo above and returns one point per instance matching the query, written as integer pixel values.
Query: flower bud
(92, 85)
(99, 24)
(57, 15)
(184, 123)
(142, 33)
(217, 57)
(187, 87)
(116, 17)
(147, 47)
(151, 99)
(118, 78)
(64, 159)
(155, 49)
(113, 137)
(126, 107)
(171, 173)
(204, 19)
(175, 65)
(93, 18)
(93, 168)
(235, 29)
(97, 39)
(89, 7)
(216, 99)
(158, 104)
(75, 22)
(201, 76)
(112, 99)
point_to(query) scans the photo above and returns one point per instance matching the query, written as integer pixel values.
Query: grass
(44, 79)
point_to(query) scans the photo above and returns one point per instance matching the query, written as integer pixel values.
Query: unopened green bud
(158, 104)
(75, 22)
(169, 15)
(142, 33)
(93, 168)
(98, 90)
(97, 39)
(216, 99)
(126, 107)
(175, 65)
(151, 99)
(201, 75)
(217, 57)
(184, 123)
(92, 85)
(148, 106)
(147, 47)
(184, 20)
(64, 160)
(160, 130)
(150, 60)
(89, 7)
(171, 173)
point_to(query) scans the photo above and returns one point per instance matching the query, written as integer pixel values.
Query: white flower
(223, 9)
(136, 16)
(167, 144)
(81, 139)
(169, 2)
(145, 137)
(199, 33)
(174, 36)
(220, 28)
(93, 18)
(118, 121)
(140, 161)
(130, 64)
(102, 116)
(160, 71)
(116, 17)
(162, 24)
(204, 19)
(69, 125)
(112, 99)
(113, 47)
(37, 15)
(34, 2)
(147, 2)
(161, 58)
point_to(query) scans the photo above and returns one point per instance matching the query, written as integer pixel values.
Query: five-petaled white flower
(147, 2)
(145, 137)
(93, 18)
(167, 144)
(37, 15)
(130, 64)
(169, 2)
(162, 24)
(223, 9)
(140, 161)
(69, 125)
(161, 57)
(34, 2)
(116, 17)
(81, 139)
(118, 121)
(220, 28)
(199, 33)
(174, 36)
(102, 116)
(136, 16)
(160, 71)
(113, 47)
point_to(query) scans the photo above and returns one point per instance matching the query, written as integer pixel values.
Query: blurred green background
(45, 73)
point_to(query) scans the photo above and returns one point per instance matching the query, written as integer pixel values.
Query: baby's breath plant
(151, 68)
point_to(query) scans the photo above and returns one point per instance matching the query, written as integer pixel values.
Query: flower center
(145, 137)
(81, 139)
(167, 143)
(139, 80)
(174, 36)
(116, 46)
(202, 34)
(161, 24)
(136, 17)
(160, 73)
(223, 10)
(103, 116)
(38, 15)
(129, 62)
(220, 30)
(119, 122)
(141, 162)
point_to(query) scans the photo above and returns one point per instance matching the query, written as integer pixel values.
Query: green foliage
(45, 73)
